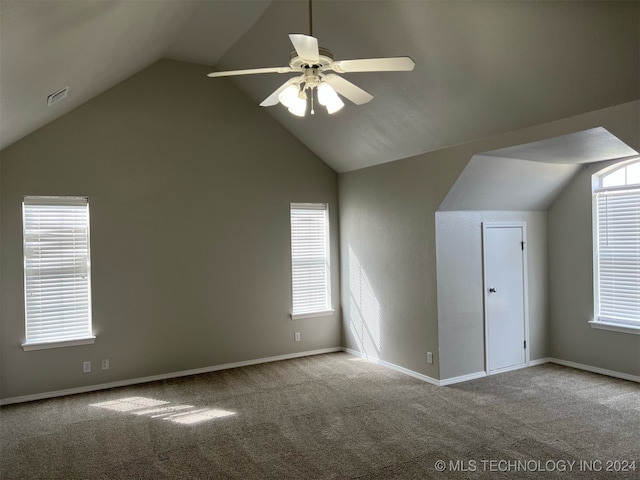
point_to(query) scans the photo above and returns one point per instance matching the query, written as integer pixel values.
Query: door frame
(525, 287)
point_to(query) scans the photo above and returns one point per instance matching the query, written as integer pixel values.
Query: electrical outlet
(105, 364)
(86, 367)
(429, 357)
(296, 336)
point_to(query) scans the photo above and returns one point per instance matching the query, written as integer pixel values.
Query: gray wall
(460, 292)
(387, 221)
(1, 290)
(571, 285)
(189, 185)
(387, 234)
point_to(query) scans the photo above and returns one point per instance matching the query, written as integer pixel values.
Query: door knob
(492, 290)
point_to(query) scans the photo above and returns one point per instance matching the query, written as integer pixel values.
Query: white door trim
(525, 286)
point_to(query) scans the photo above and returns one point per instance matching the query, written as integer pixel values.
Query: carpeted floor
(331, 416)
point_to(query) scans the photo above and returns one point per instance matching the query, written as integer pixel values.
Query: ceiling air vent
(57, 96)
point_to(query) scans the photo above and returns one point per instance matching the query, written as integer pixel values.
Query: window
(617, 248)
(310, 260)
(56, 272)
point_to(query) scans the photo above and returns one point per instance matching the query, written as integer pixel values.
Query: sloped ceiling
(592, 145)
(529, 177)
(482, 67)
(90, 46)
(499, 184)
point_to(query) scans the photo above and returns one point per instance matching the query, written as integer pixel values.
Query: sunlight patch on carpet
(182, 414)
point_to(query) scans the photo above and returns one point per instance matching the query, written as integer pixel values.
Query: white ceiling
(482, 67)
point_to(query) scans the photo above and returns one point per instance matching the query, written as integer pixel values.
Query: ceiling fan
(319, 72)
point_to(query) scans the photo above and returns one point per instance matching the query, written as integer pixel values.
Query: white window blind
(310, 259)
(618, 255)
(56, 269)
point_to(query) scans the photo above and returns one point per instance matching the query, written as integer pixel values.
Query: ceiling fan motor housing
(325, 59)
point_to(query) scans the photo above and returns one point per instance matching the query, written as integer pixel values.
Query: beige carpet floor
(331, 416)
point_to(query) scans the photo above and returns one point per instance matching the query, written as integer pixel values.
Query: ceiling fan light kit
(294, 99)
(328, 97)
(312, 62)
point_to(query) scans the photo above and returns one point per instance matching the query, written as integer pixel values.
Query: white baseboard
(462, 378)
(539, 361)
(474, 376)
(164, 376)
(601, 371)
(392, 366)
(508, 369)
(226, 366)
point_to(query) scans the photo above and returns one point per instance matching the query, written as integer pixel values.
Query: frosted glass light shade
(328, 97)
(289, 96)
(334, 105)
(298, 107)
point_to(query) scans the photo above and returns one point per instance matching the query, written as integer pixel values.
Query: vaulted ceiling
(482, 67)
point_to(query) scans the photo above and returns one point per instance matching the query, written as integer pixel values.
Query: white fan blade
(392, 64)
(251, 71)
(273, 98)
(347, 89)
(306, 47)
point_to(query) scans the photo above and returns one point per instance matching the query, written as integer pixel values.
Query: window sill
(64, 343)
(616, 327)
(324, 313)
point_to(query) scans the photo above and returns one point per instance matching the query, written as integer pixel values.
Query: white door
(504, 296)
